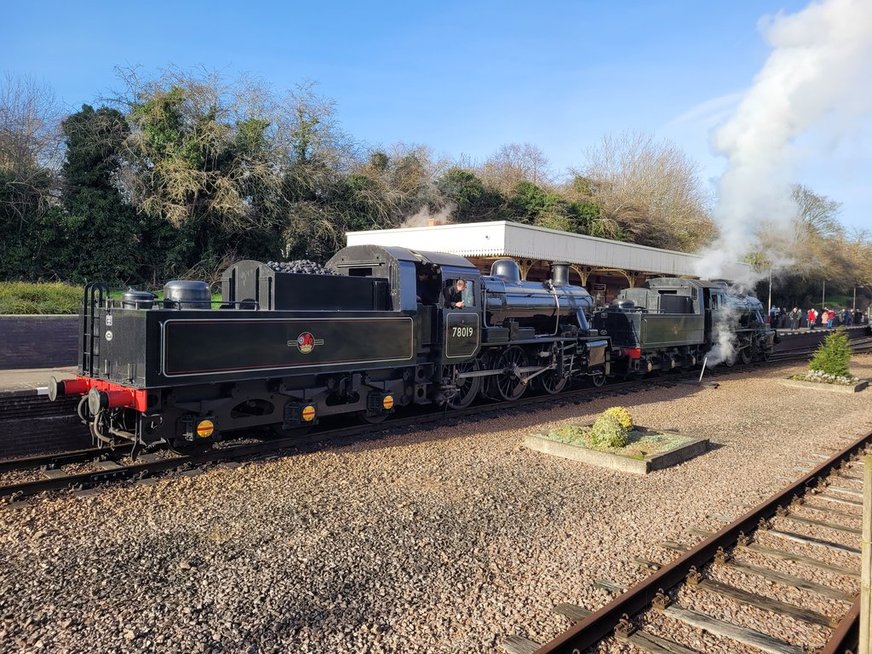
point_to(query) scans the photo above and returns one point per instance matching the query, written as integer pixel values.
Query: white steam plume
(424, 217)
(819, 72)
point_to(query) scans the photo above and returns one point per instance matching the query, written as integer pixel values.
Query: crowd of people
(828, 318)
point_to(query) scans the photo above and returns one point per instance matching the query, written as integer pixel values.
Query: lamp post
(824, 296)
(770, 291)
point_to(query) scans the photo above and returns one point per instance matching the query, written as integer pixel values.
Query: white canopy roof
(504, 238)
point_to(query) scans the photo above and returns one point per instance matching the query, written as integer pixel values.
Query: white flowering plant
(821, 377)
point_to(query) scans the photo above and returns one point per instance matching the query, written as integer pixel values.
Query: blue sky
(460, 77)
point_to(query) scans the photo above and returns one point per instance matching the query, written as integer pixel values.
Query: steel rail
(844, 638)
(53, 460)
(601, 624)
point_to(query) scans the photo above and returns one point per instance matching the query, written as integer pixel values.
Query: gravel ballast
(443, 541)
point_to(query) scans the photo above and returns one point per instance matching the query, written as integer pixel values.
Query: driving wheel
(598, 378)
(467, 389)
(551, 382)
(508, 385)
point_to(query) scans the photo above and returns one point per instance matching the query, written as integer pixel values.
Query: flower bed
(821, 377)
(614, 442)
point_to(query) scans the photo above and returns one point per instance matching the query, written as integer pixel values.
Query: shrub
(572, 434)
(28, 298)
(608, 432)
(622, 415)
(833, 356)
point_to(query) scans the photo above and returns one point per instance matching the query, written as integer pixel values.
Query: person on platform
(453, 295)
(812, 318)
(795, 318)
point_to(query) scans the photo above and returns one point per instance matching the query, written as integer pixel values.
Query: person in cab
(453, 295)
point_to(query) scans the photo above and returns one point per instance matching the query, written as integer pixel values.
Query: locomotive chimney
(559, 273)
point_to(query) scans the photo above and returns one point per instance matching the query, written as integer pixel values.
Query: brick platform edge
(831, 388)
(38, 341)
(31, 424)
(687, 451)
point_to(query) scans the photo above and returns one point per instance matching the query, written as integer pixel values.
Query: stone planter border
(540, 443)
(819, 386)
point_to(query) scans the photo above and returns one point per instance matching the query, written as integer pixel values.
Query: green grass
(40, 298)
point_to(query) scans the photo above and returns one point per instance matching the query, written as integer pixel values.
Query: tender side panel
(208, 347)
(670, 330)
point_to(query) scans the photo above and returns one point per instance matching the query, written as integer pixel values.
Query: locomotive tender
(283, 350)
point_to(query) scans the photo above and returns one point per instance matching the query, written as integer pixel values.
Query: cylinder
(187, 294)
(60, 387)
(98, 400)
(137, 299)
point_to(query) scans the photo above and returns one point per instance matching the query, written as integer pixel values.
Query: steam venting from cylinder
(559, 273)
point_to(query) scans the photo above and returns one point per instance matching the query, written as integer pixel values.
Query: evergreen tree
(100, 234)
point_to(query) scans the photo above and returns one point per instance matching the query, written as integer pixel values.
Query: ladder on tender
(92, 299)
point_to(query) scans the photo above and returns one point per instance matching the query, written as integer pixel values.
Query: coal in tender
(300, 267)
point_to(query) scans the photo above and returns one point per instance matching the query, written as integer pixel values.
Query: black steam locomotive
(676, 323)
(283, 349)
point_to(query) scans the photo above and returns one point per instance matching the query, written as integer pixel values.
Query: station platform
(785, 331)
(31, 379)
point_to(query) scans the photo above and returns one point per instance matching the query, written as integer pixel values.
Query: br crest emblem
(306, 342)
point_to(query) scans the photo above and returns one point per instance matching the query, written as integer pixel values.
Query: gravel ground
(444, 540)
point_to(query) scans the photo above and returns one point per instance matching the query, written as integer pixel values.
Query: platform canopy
(586, 254)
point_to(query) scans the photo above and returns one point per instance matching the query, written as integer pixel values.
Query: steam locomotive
(283, 350)
(677, 323)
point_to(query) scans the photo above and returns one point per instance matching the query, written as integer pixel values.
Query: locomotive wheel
(468, 390)
(551, 383)
(598, 378)
(508, 386)
(745, 355)
(185, 448)
(281, 432)
(372, 420)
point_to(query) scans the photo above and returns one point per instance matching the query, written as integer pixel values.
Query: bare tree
(30, 143)
(514, 163)
(817, 215)
(651, 189)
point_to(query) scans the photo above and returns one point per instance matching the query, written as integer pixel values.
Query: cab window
(469, 294)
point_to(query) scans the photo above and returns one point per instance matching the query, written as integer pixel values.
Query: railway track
(87, 468)
(825, 499)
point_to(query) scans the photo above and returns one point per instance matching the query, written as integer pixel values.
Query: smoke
(425, 218)
(816, 78)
